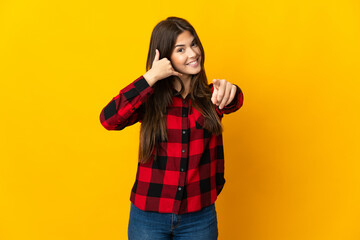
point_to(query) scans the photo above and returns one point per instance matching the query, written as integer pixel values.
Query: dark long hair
(153, 126)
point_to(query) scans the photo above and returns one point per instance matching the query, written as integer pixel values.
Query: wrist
(150, 78)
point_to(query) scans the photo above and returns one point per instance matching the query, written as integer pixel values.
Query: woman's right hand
(160, 69)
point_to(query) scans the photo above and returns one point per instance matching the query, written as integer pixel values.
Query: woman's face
(186, 56)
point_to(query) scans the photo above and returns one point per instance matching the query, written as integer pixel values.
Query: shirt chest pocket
(199, 122)
(199, 131)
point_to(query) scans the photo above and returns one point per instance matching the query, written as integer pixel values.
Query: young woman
(181, 160)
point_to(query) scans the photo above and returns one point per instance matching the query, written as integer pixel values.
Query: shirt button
(184, 131)
(184, 115)
(184, 102)
(179, 188)
(183, 150)
(181, 169)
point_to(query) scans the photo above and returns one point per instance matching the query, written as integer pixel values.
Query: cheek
(198, 51)
(177, 61)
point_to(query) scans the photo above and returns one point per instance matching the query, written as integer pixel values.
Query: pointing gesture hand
(160, 69)
(224, 92)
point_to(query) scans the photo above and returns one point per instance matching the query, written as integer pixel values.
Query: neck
(186, 80)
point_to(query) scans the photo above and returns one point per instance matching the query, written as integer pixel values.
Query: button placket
(184, 147)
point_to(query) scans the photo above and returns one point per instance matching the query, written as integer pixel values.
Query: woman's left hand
(224, 92)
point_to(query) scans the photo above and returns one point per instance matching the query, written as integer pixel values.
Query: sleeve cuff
(143, 87)
(234, 101)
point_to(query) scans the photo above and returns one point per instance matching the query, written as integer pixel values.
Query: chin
(189, 71)
(193, 72)
(196, 72)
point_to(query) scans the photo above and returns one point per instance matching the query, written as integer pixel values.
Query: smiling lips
(193, 63)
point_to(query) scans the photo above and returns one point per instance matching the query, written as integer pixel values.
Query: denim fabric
(146, 225)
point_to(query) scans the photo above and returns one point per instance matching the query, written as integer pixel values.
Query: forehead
(184, 37)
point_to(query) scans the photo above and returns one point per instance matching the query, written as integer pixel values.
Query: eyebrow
(183, 45)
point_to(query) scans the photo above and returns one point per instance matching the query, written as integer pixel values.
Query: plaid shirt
(189, 171)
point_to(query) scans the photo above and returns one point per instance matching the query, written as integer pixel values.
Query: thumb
(157, 55)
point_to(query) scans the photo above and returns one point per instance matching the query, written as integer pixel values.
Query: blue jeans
(201, 225)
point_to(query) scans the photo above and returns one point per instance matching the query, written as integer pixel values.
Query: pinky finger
(232, 95)
(176, 73)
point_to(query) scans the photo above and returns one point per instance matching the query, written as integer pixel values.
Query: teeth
(193, 62)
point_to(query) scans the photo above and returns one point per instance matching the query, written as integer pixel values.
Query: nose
(191, 53)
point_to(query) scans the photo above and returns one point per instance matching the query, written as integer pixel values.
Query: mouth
(194, 62)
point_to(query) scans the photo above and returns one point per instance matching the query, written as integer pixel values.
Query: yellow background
(291, 153)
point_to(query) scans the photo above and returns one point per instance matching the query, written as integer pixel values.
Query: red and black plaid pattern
(189, 171)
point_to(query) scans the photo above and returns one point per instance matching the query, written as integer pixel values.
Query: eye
(179, 50)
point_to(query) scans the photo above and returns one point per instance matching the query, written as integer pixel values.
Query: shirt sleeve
(127, 107)
(234, 105)
(220, 180)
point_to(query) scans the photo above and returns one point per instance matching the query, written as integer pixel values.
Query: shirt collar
(177, 94)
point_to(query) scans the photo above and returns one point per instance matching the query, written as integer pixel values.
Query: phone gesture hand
(162, 67)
